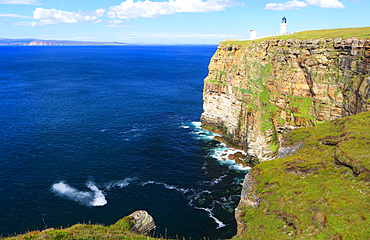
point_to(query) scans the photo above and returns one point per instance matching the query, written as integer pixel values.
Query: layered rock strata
(255, 94)
(144, 223)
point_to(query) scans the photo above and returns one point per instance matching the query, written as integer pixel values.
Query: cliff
(258, 91)
(319, 192)
(299, 100)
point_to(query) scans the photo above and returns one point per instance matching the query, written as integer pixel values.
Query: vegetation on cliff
(255, 93)
(319, 192)
(119, 230)
(360, 33)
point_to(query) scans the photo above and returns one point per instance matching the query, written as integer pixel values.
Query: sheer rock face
(254, 95)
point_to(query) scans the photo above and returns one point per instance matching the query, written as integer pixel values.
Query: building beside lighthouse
(283, 27)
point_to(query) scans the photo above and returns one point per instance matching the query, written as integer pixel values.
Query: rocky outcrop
(255, 94)
(248, 198)
(144, 223)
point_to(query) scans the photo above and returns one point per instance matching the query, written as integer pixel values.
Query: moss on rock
(319, 192)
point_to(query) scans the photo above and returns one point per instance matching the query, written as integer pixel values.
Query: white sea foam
(211, 215)
(94, 198)
(191, 198)
(199, 132)
(196, 124)
(99, 198)
(120, 183)
(222, 154)
(217, 180)
(170, 187)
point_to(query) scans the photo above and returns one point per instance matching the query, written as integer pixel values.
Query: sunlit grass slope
(320, 192)
(119, 230)
(360, 33)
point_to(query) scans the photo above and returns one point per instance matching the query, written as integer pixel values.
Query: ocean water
(92, 134)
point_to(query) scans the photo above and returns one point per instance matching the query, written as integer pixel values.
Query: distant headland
(38, 42)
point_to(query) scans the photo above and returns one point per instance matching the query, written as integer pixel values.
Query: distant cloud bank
(20, 2)
(126, 10)
(296, 5)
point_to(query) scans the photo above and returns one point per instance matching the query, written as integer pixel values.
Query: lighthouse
(283, 26)
(253, 35)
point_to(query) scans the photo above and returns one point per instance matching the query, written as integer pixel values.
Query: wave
(211, 215)
(199, 132)
(182, 190)
(217, 180)
(120, 183)
(196, 195)
(93, 198)
(222, 154)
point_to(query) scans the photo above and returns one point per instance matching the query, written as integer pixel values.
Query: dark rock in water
(218, 138)
(144, 223)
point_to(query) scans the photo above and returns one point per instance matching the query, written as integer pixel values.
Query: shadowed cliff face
(254, 95)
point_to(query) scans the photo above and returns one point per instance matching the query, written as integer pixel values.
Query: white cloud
(54, 16)
(292, 5)
(13, 15)
(99, 12)
(296, 5)
(326, 3)
(118, 24)
(148, 9)
(20, 2)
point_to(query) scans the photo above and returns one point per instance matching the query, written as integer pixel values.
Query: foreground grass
(320, 192)
(119, 230)
(360, 33)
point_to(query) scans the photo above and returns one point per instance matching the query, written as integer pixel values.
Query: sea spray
(94, 198)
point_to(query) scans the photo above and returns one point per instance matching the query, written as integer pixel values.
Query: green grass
(119, 230)
(309, 195)
(361, 33)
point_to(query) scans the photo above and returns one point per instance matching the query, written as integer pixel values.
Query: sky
(173, 21)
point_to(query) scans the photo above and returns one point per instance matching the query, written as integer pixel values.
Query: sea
(90, 134)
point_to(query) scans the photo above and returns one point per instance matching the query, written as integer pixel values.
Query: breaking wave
(199, 132)
(222, 154)
(94, 198)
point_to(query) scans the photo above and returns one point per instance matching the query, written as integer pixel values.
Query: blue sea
(92, 134)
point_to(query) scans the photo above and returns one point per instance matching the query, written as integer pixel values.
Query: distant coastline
(39, 42)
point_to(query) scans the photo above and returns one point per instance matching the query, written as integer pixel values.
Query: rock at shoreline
(144, 223)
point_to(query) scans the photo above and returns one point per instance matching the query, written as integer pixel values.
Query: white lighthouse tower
(283, 26)
(253, 35)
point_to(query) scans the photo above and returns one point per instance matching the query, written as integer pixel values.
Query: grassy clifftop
(119, 230)
(320, 192)
(360, 33)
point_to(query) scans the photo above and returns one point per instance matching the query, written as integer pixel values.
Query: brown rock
(144, 223)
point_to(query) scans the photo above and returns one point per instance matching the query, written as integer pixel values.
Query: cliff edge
(322, 191)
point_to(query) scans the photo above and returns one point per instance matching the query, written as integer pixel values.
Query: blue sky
(173, 21)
